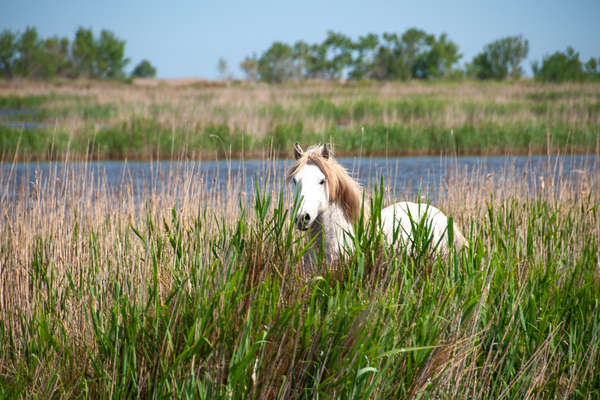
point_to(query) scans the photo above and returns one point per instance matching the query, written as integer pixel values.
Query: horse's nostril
(306, 217)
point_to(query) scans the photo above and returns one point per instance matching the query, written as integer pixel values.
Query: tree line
(415, 54)
(28, 55)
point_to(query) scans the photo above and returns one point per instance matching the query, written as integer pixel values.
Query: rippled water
(406, 175)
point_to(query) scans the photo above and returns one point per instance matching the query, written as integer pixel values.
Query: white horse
(330, 202)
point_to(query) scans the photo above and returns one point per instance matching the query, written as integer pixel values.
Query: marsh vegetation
(195, 290)
(189, 292)
(116, 121)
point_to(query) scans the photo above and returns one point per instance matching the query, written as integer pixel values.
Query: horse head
(310, 184)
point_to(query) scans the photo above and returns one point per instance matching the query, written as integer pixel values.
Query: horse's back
(398, 221)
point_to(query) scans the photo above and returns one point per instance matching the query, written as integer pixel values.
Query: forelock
(312, 155)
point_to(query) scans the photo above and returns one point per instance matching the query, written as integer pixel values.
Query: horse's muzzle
(303, 221)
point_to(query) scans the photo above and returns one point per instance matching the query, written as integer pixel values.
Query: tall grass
(126, 121)
(192, 292)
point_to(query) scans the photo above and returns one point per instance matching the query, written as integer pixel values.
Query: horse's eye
(322, 182)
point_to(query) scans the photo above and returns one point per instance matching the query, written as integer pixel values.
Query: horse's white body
(404, 216)
(334, 231)
(326, 214)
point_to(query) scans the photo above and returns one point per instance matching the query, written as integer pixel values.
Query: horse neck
(331, 228)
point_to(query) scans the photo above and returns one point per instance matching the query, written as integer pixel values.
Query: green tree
(144, 69)
(110, 56)
(317, 61)
(65, 49)
(29, 53)
(414, 50)
(8, 53)
(389, 59)
(302, 58)
(559, 67)
(54, 57)
(363, 65)
(277, 63)
(339, 54)
(415, 54)
(592, 68)
(84, 53)
(440, 57)
(501, 59)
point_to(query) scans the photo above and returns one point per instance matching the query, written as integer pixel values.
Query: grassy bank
(194, 293)
(124, 121)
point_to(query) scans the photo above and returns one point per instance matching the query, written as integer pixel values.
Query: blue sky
(186, 38)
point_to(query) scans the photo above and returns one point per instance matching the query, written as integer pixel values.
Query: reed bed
(187, 291)
(116, 121)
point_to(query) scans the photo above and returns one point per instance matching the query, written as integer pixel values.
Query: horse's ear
(325, 151)
(297, 151)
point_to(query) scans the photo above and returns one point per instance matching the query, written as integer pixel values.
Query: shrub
(559, 67)
(144, 70)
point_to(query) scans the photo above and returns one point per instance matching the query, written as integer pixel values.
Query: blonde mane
(341, 187)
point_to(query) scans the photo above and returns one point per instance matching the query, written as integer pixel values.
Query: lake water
(405, 175)
(7, 116)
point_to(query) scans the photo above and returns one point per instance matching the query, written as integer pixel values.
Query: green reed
(199, 306)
